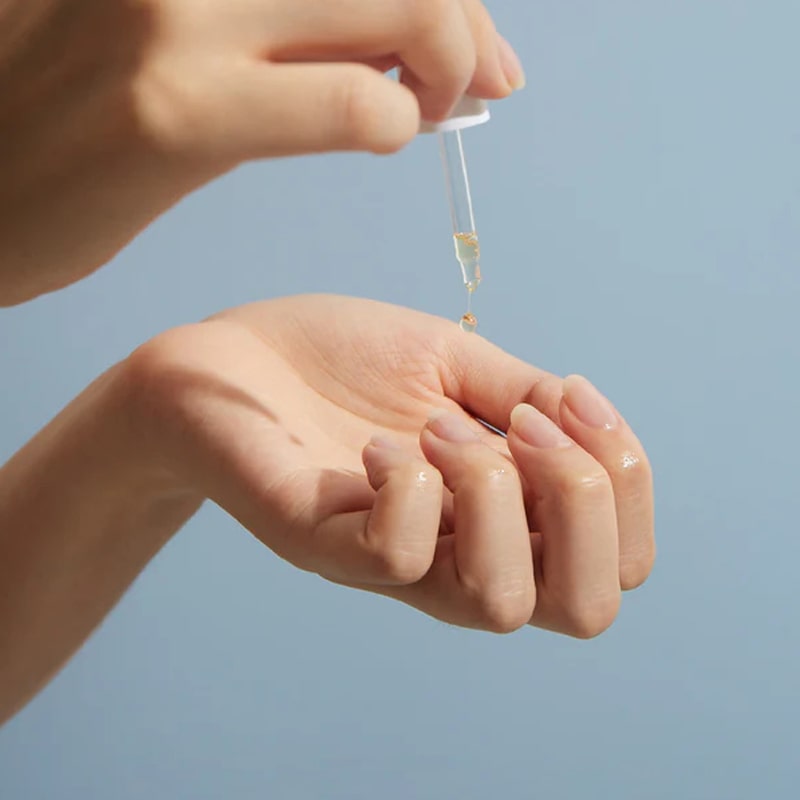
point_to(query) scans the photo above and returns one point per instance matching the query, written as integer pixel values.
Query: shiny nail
(512, 67)
(450, 427)
(536, 429)
(588, 405)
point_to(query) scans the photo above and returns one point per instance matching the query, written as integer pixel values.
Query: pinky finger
(394, 542)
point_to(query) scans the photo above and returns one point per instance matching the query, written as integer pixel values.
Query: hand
(113, 110)
(308, 420)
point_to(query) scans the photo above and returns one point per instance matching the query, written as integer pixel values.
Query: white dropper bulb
(469, 112)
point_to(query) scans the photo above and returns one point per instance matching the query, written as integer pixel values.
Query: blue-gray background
(639, 207)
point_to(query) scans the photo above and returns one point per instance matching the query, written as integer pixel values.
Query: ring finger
(573, 503)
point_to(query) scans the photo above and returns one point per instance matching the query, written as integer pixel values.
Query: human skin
(344, 435)
(113, 110)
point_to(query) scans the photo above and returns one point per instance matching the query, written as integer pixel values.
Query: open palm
(344, 434)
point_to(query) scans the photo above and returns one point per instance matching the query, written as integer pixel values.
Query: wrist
(139, 443)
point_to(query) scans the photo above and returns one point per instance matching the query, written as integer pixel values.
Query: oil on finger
(393, 542)
(485, 570)
(578, 591)
(595, 424)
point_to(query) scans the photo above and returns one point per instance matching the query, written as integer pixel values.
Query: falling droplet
(468, 323)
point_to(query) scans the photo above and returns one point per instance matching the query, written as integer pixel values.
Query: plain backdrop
(639, 210)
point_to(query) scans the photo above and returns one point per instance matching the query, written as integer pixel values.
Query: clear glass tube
(465, 236)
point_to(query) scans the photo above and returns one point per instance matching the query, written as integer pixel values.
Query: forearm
(83, 509)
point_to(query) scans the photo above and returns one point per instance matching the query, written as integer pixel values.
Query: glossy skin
(309, 420)
(113, 110)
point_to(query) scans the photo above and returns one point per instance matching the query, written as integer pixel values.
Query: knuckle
(584, 486)
(171, 113)
(490, 473)
(503, 616)
(427, 16)
(400, 566)
(503, 609)
(590, 620)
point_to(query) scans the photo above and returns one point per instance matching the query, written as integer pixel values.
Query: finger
(393, 542)
(482, 576)
(485, 380)
(432, 38)
(291, 109)
(595, 425)
(498, 70)
(578, 591)
(590, 419)
(378, 63)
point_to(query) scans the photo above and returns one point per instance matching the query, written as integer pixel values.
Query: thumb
(274, 110)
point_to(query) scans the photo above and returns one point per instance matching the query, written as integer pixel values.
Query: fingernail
(383, 454)
(536, 429)
(512, 67)
(383, 443)
(449, 427)
(588, 405)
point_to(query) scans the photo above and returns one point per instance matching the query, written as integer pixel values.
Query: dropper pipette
(469, 112)
(465, 234)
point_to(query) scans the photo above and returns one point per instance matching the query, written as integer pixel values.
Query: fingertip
(382, 444)
(433, 104)
(377, 113)
(449, 427)
(385, 457)
(491, 77)
(511, 65)
(330, 107)
(588, 405)
(401, 123)
(379, 456)
(536, 430)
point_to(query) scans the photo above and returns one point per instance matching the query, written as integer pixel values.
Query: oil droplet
(468, 323)
(629, 460)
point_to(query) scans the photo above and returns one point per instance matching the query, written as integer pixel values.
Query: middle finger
(482, 575)
(432, 38)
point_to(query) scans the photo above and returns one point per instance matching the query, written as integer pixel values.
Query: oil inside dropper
(468, 253)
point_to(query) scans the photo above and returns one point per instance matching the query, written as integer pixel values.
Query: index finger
(486, 381)
(432, 39)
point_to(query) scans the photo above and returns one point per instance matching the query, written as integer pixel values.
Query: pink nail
(536, 429)
(383, 443)
(450, 427)
(588, 405)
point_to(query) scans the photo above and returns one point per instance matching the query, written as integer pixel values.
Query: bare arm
(340, 471)
(81, 514)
